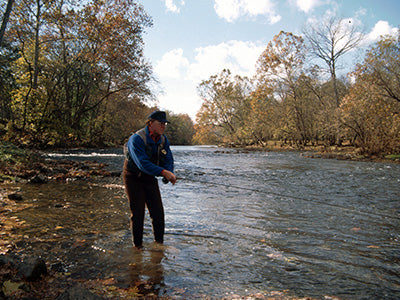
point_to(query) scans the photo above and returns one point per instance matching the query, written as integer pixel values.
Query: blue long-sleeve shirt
(137, 151)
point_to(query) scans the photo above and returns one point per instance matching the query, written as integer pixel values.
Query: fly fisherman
(148, 155)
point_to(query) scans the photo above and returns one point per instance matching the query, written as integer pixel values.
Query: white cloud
(381, 28)
(180, 77)
(238, 56)
(180, 96)
(307, 5)
(172, 65)
(171, 6)
(231, 10)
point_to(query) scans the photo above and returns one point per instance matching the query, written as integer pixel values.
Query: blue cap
(159, 116)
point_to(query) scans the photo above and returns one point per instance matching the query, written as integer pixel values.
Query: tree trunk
(5, 19)
(36, 59)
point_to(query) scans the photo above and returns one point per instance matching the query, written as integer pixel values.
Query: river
(237, 224)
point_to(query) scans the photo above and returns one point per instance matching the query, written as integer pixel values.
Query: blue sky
(192, 40)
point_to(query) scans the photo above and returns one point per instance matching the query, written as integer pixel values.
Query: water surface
(237, 223)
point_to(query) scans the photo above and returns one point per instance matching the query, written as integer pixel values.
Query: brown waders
(142, 190)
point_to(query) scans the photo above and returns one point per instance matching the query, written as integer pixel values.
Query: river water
(237, 224)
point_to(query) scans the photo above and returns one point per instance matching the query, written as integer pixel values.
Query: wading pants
(142, 190)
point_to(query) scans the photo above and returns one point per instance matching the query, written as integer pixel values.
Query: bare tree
(4, 22)
(330, 40)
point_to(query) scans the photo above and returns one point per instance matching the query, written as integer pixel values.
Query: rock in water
(15, 197)
(78, 293)
(32, 268)
(40, 178)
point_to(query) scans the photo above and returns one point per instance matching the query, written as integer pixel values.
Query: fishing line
(287, 196)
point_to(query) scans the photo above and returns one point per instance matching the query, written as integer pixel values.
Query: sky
(192, 40)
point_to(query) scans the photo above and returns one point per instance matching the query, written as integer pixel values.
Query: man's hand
(169, 176)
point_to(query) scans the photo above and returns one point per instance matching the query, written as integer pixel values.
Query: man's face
(158, 127)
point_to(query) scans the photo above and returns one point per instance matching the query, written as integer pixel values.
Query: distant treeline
(74, 74)
(290, 102)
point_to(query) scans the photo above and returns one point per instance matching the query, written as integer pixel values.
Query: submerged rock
(78, 293)
(15, 196)
(32, 268)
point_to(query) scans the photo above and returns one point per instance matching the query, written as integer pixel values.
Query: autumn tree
(329, 41)
(371, 110)
(26, 25)
(8, 55)
(74, 59)
(225, 107)
(382, 67)
(180, 130)
(280, 70)
(4, 20)
(110, 62)
(264, 116)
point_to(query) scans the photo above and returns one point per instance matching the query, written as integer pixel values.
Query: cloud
(381, 28)
(180, 77)
(238, 56)
(172, 7)
(307, 5)
(231, 10)
(172, 65)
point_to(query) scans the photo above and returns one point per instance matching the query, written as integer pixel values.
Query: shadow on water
(236, 224)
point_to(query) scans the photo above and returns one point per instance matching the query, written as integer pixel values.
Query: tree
(225, 106)
(181, 129)
(371, 110)
(382, 67)
(4, 21)
(280, 70)
(264, 118)
(76, 63)
(331, 40)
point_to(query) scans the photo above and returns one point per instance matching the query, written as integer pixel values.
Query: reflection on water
(237, 223)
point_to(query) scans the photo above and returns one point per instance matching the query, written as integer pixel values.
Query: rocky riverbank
(31, 278)
(333, 152)
(43, 171)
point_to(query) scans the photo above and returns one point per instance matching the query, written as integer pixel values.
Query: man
(148, 155)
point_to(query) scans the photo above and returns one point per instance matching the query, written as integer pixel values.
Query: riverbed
(238, 223)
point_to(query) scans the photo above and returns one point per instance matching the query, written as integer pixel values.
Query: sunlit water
(237, 223)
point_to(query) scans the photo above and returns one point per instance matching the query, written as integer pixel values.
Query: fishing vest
(158, 158)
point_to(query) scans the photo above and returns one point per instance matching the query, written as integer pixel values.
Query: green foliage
(393, 157)
(79, 74)
(181, 129)
(7, 80)
(11, 154)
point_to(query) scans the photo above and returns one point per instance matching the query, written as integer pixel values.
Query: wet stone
(32, 268)
(15, 197)
(40, 178)
(58, 267)
(78, 293)
(6, 259)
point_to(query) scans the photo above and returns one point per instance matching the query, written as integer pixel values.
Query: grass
(11, 154)
(13, 157)
(393, 156)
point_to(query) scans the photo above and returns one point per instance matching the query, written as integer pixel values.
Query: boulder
(6, 259)
(40, 178)
(32, 268)
(15, 196)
